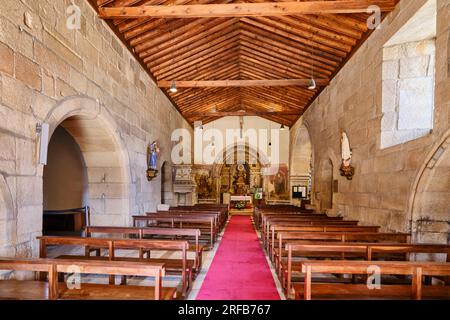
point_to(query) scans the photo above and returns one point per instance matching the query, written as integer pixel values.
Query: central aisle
(239, 270)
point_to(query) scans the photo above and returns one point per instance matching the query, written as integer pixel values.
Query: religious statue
(152, 157)
(154, 150)
(346, 153)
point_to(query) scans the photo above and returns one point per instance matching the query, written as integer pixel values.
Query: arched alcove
(7, 221)
(65, 184)
(105, 157)
(430, 200)
(326, 185)
(166, 183)
(301, 160)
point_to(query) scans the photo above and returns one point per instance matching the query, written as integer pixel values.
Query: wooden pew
(296, 217)
(417, 270)
(52, 289)
(260, 213)
(278, 227)
(191, 235)
(205, 223)
(363, 251)
(222, 210)
(28, 289)
(292, 237)
(307, 222)
(181, 266)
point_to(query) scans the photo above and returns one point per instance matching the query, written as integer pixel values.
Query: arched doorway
(65, 185)
(7, 221)
(237, 170)
(166, 183)
(430, 201)
(326, 185)
(301, 160)
(105, 157)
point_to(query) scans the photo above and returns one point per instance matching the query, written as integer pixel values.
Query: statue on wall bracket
(347, 170)
(152, 159)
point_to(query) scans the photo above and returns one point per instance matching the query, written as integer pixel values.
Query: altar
(241, 198)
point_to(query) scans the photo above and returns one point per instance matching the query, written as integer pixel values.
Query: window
(409, 79)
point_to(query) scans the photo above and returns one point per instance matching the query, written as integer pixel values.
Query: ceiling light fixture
(312, 84)
(282, 127)
(173, 87)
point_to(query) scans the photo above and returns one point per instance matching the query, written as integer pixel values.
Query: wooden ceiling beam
(191, 43)
(246, 9)
(241, 83)
(303, 51)
(240, 113)
(213, 53)
(309, 43)
(165, 47)
(294, 63)
(226, 57)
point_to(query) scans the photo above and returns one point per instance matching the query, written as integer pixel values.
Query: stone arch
(325, 186)
(301, 159)
(429, 205)
(105, 155)
(8, 218)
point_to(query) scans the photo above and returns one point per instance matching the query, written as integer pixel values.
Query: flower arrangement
(240, 205)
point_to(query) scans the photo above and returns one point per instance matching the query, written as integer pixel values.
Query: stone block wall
(385, 180)
(48, 73)
(408, 91)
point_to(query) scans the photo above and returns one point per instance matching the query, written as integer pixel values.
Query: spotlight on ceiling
(282, 127)
(173, 87)
(312, 84)
(214, 109)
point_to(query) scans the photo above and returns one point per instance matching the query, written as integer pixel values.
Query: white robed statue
(345, 150)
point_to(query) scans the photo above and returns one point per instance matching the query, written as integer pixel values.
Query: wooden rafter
(241, 83)
(244, 58)
(246, 9)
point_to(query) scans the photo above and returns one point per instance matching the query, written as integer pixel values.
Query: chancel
(237, 150)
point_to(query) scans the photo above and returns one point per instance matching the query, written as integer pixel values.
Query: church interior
(224, 150)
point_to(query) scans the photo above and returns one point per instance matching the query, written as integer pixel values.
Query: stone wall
(408, 95)
(385, 180)
(49, 73)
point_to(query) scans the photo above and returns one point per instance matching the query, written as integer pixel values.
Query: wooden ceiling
(241, 57)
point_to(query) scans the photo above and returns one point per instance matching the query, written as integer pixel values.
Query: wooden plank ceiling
(194, 52)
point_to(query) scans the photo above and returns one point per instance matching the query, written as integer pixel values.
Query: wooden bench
(279, 227)
(206, 224)
(266, 214)
(363, 251)
(416, 290)
(53, 289)
(221, 211)
(191, 235)
(297, 218)
(284, 237)
(181, 266)
(307, 222)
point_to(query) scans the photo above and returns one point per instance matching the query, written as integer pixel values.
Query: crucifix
(241, 124)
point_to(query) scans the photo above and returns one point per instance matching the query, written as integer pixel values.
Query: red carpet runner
(239, 270)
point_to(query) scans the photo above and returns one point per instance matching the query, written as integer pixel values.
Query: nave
(224, 150)
(314, 256)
